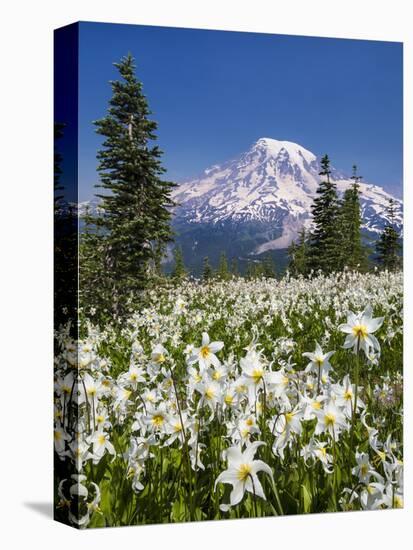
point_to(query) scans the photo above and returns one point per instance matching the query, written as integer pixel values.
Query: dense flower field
(234, 399)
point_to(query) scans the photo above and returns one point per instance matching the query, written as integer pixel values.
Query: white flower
(330, 419)
(319, 361)
(242, 472)
(359, 329)
(101, 443)
(364, 471)
(345, 396)
(205, 355)
(158, 355)
(211, 394)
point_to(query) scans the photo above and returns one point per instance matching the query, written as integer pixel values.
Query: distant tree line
(335, 240)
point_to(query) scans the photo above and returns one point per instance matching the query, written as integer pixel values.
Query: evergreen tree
(134, 226)
(388, 246)
(353, 254)
(325, 242)
(250, 271)
(268, 269)
(223, 271)
(298, 255)
(179, 271)
(207, 272)
(234, 267)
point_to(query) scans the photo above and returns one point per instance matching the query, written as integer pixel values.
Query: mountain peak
(271, 186)
(274, 147)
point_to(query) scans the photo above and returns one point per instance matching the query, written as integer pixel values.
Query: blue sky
(213, 93)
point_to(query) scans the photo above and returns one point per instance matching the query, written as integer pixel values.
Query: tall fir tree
(268, 268)
(134, 226)
(234, 267)
(388, 245)
(179, 271)
(324, 250)
(353, 254)
(298, 255)
(223, 270)
(207, 272)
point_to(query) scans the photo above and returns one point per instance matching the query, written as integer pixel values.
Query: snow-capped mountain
(267, 193)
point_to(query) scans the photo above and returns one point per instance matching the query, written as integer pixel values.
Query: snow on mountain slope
(272, 184)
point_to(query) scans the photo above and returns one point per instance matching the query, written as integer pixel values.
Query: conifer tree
(234, 267)
(223, 271)
(325, 246)
(207, 272)
(298, 255)
(179, 271)
(353, 254)
(388, 246)
(268, 269)
(135, 202)
(250, 271)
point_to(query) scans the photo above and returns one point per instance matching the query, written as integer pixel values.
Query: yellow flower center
(348, 395)
(157, 420)
(210, 393)
(249, 422)
(101, 439)
(360, 331)
(57, 436)
(216, 375)
(364, 469)
(288, 417)
(159, 357)
(244, 470)
(228, 399)
(316, 405)
(205, 352)
(398, 501)
(257, 374)
(178, 427)
(330, 419)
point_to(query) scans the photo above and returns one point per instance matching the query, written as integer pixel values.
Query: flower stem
(356, 380)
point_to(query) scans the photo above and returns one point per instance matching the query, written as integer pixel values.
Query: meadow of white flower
(234, 399)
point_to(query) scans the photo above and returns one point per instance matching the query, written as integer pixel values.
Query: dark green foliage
(234, 267)
(388, 246)
(133, 228)
(298, 255)
(324, 252)
(223, 270)
(335, 242)
(352, 253)
(268, 268)
(179, 271)
(207, 272)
